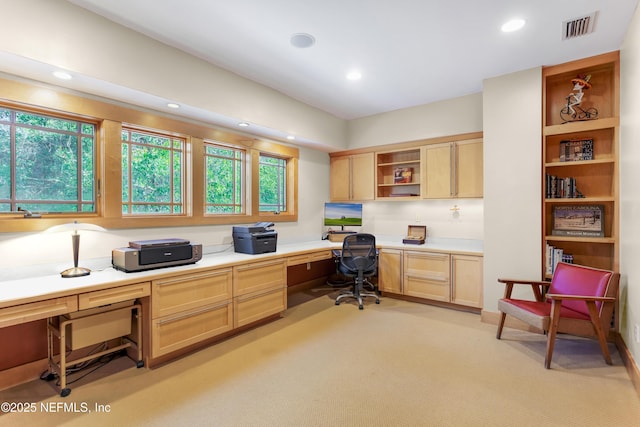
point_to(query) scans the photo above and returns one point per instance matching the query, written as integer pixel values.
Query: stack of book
(554, 256)
(561, 188)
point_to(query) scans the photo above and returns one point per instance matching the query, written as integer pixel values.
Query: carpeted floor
(393, 364)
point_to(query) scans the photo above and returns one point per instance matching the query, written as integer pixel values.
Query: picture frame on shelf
(578, 221)
(402, 175)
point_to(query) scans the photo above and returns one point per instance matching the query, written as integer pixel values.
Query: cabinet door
(468, 166)
(467, 280)
(362, 177)
(259, 276)
(185, 292)
(390, 271)
(437, 175)
(426, 275)
(340, 180)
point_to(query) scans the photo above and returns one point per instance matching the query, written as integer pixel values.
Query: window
(152, 173)
(47, 164)
(224, 179)
(273, 184)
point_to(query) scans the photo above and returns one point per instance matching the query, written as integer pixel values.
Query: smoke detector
(578, 26)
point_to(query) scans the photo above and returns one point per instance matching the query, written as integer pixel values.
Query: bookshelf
(588, 179)
(398, 174)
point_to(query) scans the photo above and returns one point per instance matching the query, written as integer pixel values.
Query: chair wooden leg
(551, 335)
(503, 316)
(595, 320)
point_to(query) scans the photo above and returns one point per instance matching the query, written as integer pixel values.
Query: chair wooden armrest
(537, 286)
(579, 298)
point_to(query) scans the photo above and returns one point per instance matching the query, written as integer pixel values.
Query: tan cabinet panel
(426, 275)
(352, 177)
(340, 186)
(390, 270)
(251, 308)
(259, 276)
(467, 280)
(438, 183)
(180, 293)
(113, 295)
(175, 332)
(37, 310)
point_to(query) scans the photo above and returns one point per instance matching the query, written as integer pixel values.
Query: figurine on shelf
(572, 110)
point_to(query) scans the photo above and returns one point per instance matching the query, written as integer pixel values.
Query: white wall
(512, 180)
(450, 117)
(630, 187)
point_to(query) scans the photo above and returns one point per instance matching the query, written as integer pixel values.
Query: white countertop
(24, 290)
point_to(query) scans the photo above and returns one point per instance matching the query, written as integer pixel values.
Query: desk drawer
(113, 295)
(250, 309)
(175, 332)
(259, 276)
(309, 257)
(37, 310)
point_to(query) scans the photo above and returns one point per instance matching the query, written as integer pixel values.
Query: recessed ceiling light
(354, 75)
(243, 124)
(62, 75)
(173, 105)
(291, 137)
(512, 25)
(302, 40)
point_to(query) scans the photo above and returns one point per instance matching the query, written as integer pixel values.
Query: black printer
(255, 239)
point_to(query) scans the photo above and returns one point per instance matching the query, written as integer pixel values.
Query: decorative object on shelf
(561, 188)
(572, 110)
(573, 150)
(74, 226)
(578, 221)
(416, 235)
(402, 175)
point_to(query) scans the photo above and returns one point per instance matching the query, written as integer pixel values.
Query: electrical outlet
(636, 333)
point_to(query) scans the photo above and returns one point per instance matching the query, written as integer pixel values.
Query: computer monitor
(341, 214)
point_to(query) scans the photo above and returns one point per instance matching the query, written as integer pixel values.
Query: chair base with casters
(579, 301)
(358, 260)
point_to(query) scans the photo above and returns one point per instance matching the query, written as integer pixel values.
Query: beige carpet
(393, 364)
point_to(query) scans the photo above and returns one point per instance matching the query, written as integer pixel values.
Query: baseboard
(629, 363)
(21, 374)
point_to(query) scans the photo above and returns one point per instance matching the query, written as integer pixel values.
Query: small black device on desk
(255, 239)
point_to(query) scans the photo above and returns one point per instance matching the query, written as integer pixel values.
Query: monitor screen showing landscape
(342, 214)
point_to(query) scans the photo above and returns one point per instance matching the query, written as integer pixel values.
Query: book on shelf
(578, 221)
(554, 256)
(573, 150)
(561, 188)
(402, 175)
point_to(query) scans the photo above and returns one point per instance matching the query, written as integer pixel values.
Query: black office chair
(359, 259)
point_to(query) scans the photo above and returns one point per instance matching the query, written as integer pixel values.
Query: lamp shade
(74, 226)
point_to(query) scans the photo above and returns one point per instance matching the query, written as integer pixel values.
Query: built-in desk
(222, 293)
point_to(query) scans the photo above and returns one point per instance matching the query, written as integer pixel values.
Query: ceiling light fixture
(243, 124)
(302, 40)
(62, 75)
(512, 25)
(354, 75)
(173, 105)
(291, 137)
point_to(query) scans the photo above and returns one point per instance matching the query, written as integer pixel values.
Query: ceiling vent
(579, 26)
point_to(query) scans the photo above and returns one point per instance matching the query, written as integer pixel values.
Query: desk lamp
(74, 226)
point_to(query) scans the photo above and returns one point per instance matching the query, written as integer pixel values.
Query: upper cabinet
(453, 170)
(580, 200)
(436, 168)
(352, 177)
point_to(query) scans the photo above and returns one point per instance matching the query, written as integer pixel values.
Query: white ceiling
(410, 52)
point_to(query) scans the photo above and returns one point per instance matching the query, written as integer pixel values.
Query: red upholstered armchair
(579, 301)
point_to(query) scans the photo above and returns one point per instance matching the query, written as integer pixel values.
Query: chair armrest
(537, 286)
(560, 297)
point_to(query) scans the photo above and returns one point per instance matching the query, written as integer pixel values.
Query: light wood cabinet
(426, 275)
(188, 309)
(453, 170)
(467, 280)
(260, 290)
(352, 177)
(309, 257)
(390, 270)
(595, 175)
